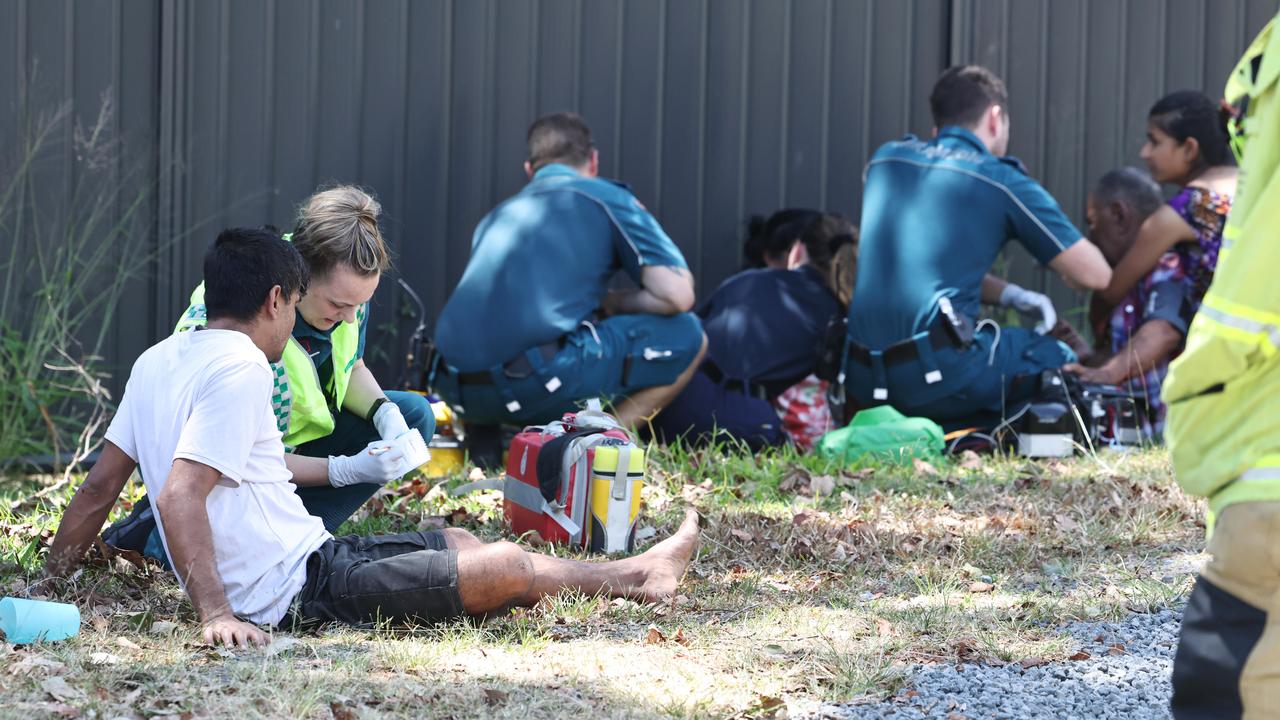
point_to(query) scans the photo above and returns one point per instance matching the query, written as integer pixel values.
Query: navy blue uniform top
(541, 263)
(935, 214)
(766, 326)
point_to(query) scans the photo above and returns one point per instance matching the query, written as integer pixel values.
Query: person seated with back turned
(196, 419)
(765, 331)
(532, 328)
(1135, 341)
(935, 215)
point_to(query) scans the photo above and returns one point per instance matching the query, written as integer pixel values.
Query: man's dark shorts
(361, 581)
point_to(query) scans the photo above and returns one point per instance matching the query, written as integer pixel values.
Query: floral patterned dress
(1192, 262)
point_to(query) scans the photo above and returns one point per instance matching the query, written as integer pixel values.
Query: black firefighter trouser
(1228, 661)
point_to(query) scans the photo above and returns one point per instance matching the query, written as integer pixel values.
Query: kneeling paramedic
(532, 328)
(334, 415)
(935, 215)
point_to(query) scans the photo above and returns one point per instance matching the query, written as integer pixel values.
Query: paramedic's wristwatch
(373, 409)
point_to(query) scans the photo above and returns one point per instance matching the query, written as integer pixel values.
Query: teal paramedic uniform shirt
(541, 263)
(935, 215)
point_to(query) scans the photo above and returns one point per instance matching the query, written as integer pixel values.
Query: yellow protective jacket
(1223, 392)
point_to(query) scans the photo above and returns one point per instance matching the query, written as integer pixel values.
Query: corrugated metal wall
(710, 109)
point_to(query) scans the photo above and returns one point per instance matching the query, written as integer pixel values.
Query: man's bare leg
(637, 408)
(497, 576)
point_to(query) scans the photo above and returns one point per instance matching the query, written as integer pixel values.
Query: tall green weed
(72, 236)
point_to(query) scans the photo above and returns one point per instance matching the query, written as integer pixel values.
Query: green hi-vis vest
(1224, 421)
(304, 410)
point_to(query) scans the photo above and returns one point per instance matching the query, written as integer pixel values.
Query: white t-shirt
(205, 396)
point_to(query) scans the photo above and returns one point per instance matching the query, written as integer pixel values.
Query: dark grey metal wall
(710, 109)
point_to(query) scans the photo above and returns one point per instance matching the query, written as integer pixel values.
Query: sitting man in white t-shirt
(196, 419)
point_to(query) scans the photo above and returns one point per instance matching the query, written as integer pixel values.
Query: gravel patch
(1125, 676)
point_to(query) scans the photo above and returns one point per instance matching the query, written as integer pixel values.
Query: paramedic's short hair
(559, 138)
(963, 93)
(242, 266)
(340, 226)
(1131, 187)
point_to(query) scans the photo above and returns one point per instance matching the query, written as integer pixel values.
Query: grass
(793, 599)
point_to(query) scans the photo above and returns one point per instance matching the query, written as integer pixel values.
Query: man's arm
(1151, 346)
(181, 508)
(1082, 266)
(84, 517)
(665, 290)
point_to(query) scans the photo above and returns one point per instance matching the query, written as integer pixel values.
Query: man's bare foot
(664, 564)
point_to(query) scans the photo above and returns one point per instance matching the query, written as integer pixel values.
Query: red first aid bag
(576, 482)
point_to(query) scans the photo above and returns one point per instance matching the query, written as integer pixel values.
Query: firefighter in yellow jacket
(1223, 395)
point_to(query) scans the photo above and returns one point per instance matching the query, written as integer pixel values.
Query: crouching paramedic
(935, 215)
(326, 401)
(532, 327)
(1223, 428)
(196, 419)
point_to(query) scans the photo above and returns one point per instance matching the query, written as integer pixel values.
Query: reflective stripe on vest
(303, 409)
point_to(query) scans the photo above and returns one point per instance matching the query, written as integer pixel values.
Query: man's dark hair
(1131, 187)
(559, 138)
(964, 93)
(1192, 114)
(242, 266)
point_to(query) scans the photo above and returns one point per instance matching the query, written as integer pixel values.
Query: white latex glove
(1030, 303)
(390, 421)
(379, 463)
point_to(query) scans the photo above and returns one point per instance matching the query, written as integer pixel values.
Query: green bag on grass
(885, 434)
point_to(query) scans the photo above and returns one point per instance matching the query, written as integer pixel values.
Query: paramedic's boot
(484, 445)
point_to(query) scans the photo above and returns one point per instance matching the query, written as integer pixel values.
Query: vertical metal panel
(1082, 75)
(85, 57)
(711, 109)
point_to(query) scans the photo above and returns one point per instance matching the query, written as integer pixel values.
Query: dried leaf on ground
(822, 485)
(59, 689)
(742, 535)
(981, 587)
(32, 663)
(342, 712)
(495, 697)
(1080, 655)
(432, 522)
(883, 627)
(924, 467)
(280, 645)
(970, 460)
(128, 644)
(1065, 523)
(103, 658)
(654, 636)
(1117, 649)
(1031, 662)
(680, 638)
(163, 627)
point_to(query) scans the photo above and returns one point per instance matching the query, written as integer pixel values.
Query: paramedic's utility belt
(522, 366)
(948, 329)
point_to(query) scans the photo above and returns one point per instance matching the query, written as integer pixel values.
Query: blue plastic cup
(27, 621)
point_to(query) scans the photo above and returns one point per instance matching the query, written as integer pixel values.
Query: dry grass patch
(814, 583)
